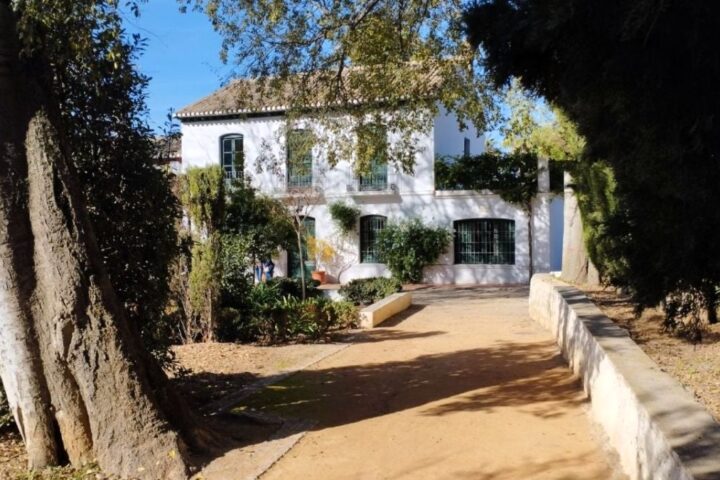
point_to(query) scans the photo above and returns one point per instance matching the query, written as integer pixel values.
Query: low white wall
(655, 425)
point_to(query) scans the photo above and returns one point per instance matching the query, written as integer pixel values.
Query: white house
(491, 236)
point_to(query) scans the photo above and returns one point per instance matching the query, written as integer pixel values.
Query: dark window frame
(294, 179)
(232, 169)
(376, 179)
(484, 241)
(370, 225)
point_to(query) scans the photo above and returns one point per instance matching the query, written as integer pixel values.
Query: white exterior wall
(415, 197)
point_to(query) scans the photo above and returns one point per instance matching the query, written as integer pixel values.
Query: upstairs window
(299, 159)
(370, 228)
(485, 241)
(232, 157)
(372, 157)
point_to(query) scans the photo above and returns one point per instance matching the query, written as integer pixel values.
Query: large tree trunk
(77, 350)
(577, 267)
(20, 366)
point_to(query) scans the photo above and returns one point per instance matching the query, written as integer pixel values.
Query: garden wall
(657, 428)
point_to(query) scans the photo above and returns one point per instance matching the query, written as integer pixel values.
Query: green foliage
(512, 176)
(262, 222)
(366, 291)
(275, 312)
(205, 277)
(101, 99)
(344, 216)
(322, 57)
(626, 74)
(409, 246)
(203, 196)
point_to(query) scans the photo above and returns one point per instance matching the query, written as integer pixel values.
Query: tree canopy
(362, 58)
(638, 79)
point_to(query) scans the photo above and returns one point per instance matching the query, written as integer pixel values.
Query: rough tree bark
(20, 366)
(577, 267)
(69, 360)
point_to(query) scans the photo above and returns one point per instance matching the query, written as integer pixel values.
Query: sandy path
(463, 386)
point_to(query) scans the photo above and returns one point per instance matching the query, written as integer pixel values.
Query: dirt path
(464, 385)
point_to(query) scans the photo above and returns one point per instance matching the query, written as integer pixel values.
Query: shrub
(264, 312)
(407, 247)
(293, 318)
(365, 291)
(344, 216)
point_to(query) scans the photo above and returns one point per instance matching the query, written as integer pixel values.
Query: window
(372, 151)
(485, 241)
(466, 147)
(299, 159)
(232, 157)
(294, 257)
(370, 227)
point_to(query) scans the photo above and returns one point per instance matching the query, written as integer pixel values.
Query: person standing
(268, 269)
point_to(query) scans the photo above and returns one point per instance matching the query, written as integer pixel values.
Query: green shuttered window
(372, 148)
(232, 157)
(299, 159)
(370, 227)
(485, 241)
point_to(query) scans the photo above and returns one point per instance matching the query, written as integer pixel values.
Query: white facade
(408, 196)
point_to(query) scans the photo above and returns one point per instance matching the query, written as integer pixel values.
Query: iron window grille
(372, 147)
(370, 228)
(232, 156)
(485, 241)
(299, 159)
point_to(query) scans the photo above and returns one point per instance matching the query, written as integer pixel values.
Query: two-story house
(490, 243)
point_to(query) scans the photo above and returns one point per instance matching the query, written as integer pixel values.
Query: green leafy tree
(262, 222)
(637, 80)
(408, 247)
(73, 363)
(366, 59)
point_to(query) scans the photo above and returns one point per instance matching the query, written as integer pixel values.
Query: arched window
(294, 257)
(489, 241)
(370, 227)
(299, 159)
(232, 156)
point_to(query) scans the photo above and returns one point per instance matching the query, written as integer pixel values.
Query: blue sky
(182, 56)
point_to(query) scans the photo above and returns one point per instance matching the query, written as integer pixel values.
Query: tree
(378, 62)
(71, 362)
(637, 78)
(203, 195)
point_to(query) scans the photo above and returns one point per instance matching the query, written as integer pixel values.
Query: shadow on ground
(468, 380)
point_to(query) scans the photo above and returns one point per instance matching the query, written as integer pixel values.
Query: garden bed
(695, 366)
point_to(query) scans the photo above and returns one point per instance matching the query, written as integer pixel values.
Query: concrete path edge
(657, 428)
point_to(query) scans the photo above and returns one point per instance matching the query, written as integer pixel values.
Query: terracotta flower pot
(319, 276)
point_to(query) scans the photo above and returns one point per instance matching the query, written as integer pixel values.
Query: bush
(266, 312)
(344, 216)
(293, 318)
(407, 247)
(365, 291)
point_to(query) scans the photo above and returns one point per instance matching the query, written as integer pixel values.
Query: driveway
(461, 386)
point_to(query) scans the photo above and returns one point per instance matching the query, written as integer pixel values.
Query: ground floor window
(370, 227)
(487, 241)
(294, 257)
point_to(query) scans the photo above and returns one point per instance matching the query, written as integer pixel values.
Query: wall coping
(655, 425)
(381, 310)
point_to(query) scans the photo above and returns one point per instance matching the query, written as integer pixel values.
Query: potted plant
(322, 253)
